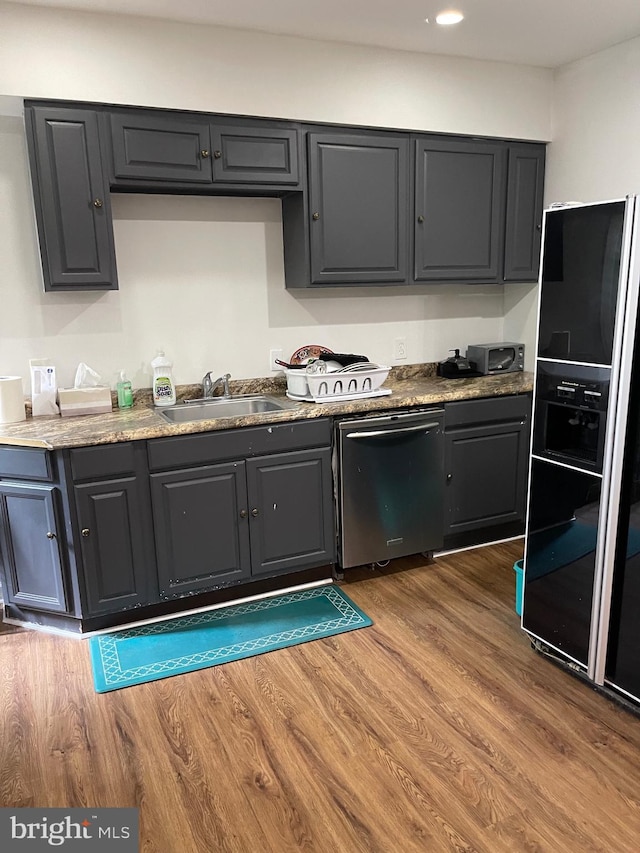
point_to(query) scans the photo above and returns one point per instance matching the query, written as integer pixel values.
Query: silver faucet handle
(207, 385)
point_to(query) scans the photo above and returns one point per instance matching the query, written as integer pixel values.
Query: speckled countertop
(414, 385)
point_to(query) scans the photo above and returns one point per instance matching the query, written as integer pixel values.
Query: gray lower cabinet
(71, 196)
(111, 527)
(31, 543)
(224, 523)
(201, 524)
(92, 532)
(459, 209)
(358, 208)
(486, 467)
(291, 522)
(116, 546)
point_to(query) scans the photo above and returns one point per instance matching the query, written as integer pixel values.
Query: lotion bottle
(164, 389)
(124, 391)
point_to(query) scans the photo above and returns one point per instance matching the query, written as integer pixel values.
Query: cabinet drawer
(25, 463)
(209, 447)
(107, 460)
(487, 409)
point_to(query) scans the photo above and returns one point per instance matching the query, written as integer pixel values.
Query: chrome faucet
(209, 385)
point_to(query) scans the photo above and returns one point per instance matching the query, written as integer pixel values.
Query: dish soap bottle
(164, 390)
(124, 391)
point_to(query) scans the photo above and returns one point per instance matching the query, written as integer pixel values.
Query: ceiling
(545, 33)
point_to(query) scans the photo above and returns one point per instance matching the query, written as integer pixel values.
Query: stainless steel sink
(222, 407)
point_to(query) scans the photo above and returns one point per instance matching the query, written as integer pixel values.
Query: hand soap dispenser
(124, 391)
(455, 367)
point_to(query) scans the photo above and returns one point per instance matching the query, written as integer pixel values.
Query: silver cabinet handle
(379, 432)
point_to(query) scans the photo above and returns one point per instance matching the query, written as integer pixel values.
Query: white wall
(595, 153)
(203, 277)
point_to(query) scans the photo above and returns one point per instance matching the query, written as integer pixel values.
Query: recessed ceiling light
(449, 17)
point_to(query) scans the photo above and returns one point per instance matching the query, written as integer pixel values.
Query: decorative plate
(308, 353)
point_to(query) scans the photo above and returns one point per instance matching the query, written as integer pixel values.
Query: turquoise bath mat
(149, 652)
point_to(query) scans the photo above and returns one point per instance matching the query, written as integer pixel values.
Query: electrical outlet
(400, 349)
(273, 354)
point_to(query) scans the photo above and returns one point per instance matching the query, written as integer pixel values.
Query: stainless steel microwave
(504, 357)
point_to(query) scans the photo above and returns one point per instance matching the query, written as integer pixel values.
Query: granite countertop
(414, 385)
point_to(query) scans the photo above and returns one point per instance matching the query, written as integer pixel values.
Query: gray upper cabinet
(263, 154)
(155, 147)
(348, 194)
(459, 209)
(523, 229)
(71, 196)
(174, 149)
(358, 208)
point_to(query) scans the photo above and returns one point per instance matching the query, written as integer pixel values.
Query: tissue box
(84, 401)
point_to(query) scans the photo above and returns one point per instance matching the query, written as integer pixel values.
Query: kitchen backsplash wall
(203, 277)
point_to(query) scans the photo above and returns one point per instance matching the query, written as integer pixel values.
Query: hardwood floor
(437, 729)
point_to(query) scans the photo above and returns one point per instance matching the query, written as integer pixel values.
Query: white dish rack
(349, 383)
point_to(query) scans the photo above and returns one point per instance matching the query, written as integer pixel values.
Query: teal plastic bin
(519, 570)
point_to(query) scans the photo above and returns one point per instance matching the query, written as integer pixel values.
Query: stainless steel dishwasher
(390, 477)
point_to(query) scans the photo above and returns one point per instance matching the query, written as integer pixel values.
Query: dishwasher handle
(384, 432)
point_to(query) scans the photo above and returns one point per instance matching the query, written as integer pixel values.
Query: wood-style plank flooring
(437, 729)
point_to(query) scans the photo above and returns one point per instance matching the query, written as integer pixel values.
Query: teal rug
(150, 652)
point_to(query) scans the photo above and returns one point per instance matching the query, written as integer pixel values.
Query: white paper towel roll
(11, 400)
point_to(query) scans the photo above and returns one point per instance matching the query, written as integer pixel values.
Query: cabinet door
(358, 208)
(254, 155)
(116, 545)
(31, 548)
(72, 204)
(459, 210)
(291, 511)
(201, 527)
(486, 473)
(523, 226)
(157, 148)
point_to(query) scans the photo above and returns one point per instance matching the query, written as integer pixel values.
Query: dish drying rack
(357, 381)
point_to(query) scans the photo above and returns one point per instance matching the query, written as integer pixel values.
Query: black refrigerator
(581, 601)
